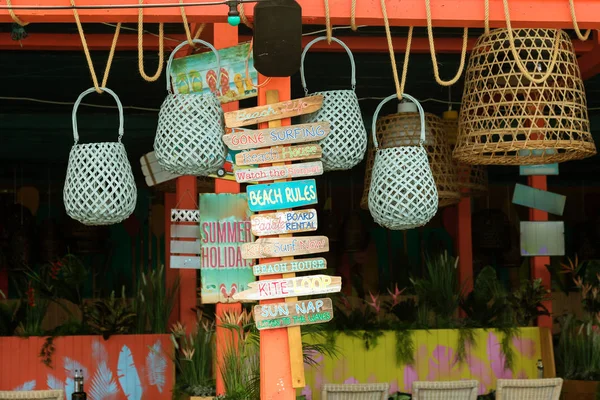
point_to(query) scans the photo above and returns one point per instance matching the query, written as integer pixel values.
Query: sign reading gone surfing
(279, 172)
(291, 287)
(282, 195)
(279, 154)
(285, 247)
(292, 266)
(280, 223)
(241, 139)
(283, 315)
(284, 109)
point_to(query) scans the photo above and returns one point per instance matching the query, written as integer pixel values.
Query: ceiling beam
(128, 42)
(445, 13)
(589, 63)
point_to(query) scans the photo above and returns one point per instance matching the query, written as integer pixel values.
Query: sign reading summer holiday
(282, 315)
(242, 139)
(224, 227)
(284, 222)
(279, 172)
(284, 109)
(282, 195)
(291, 287)
(279, 154)
(198, 74)
(285, 247)
(292, 266)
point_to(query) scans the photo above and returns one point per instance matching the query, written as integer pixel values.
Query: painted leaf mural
(103, 386)
(127, 373)
(156, 365)
(30, 385)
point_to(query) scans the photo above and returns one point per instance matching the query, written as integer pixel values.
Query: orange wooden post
(465, 245)
(538, 263)
(224, 35)
(170, 274)
(275, 367)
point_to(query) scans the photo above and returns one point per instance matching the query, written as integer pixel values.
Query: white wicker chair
(445, 390)
(357, 391)
(33, 395)
(529, 389)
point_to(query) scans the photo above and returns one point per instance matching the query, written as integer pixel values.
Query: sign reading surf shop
(285, 247)
(271, 112)
(243, 139)
(282, 315)
(282, 195)
(224, 227)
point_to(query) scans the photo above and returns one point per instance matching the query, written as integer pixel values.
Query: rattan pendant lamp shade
(533, 113)
(403, 129)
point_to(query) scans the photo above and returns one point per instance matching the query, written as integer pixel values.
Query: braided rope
(353, 16)
(161, 52)
(399, 83)
(486, 8)
(328, 22)
(14, 16)
(522, 68)
(243, 16)
(88, 57)
(463, 56)
(582, 37)
(186, 26)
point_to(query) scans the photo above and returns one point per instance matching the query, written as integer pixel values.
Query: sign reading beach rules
(282, 195)
(283, 315)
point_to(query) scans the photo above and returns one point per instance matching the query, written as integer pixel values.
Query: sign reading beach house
(279, 154)
(242, 139)
(284, 222)
(283, 315)
(292, 266)
(291, 287)
(271, 112)
(282, 195)
(224, 227)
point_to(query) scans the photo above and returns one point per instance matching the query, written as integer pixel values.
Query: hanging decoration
(472, 179)
(190, 127)
(345, 146)
(99, 187)
(523, 101)
(403, 194)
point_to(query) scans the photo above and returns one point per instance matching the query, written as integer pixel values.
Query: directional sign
(242, 139)
(282, 195)
(284, 109)
(279, 154)
(291, 287)
(283, 315)
(292, 266)
(279, 172)
(540, 199)
(285, 247)
(284, 222)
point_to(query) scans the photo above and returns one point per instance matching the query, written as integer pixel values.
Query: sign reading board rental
(282, 195)
(224, 227)
(291, 287)
(283, 315)
(284, 222)
(242, 139)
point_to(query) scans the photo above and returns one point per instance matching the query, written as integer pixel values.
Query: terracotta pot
(580, 390)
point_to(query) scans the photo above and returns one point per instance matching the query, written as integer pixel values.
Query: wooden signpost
(275, 111)
(290, 287)
(282, 315)
(243, 139)
(284, 222)
(279, 154)
(282, 195)
(285, 247)
(290, 266)
(279, 172)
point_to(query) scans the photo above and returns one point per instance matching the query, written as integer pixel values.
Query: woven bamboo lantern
(403, 129)
(523, 104)
(472, 179)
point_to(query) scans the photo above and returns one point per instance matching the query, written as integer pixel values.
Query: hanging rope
(522, 68)
(14, 16)
(161, 43)
(353, 16)
(486, 7)
(582, 37)
(243, 16)
(399, 83)
(88, 57)
(186, 26)
(328, 22)
(436, 72)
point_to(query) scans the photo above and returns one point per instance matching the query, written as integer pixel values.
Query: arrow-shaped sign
(290, 287)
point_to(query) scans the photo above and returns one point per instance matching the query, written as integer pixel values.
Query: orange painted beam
(170, 274)
(589, 63)
(445, 13)
(128, 42)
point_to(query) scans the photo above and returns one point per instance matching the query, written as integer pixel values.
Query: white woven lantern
(403, 194)
(190, 129)
(99, 187)
(345, 145)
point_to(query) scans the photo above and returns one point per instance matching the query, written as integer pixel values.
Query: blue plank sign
(282, 195)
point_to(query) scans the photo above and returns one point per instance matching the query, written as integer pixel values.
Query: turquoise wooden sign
(282, 195)
(540, 199)
(541, 169)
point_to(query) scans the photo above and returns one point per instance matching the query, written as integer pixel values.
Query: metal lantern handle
(76, 106)
(320, 38)
(395, 96)
(198, 41)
